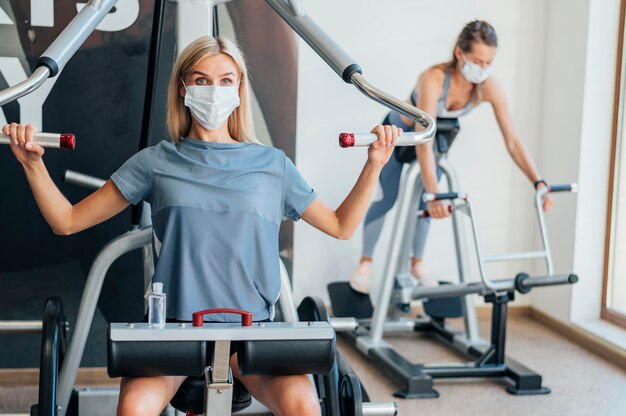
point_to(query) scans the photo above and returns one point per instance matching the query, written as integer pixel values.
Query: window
(614, 293)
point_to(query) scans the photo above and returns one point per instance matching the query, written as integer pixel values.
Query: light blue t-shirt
(216, 212)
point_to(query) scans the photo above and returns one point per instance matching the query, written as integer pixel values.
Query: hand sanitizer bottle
(156, 306)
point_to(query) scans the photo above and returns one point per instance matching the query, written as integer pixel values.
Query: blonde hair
(240, 125)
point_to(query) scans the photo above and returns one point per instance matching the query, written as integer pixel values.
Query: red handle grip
(198, 317)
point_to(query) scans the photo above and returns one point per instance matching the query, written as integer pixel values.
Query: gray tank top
(442, 111)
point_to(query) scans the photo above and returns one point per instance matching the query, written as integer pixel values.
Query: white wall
(394, 41)
(581, 49)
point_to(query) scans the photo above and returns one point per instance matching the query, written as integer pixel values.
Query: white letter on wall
(42, 13)
(126, 12)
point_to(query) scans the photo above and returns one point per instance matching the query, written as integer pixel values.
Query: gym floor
(581, 382)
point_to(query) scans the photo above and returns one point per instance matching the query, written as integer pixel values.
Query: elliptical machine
(446, 300)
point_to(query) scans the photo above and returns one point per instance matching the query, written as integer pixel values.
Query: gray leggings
(375, 217)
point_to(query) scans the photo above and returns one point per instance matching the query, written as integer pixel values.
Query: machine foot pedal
(445, 307)
(347, 302)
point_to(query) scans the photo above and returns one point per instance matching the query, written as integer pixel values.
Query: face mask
(474, 73)
(211, 105)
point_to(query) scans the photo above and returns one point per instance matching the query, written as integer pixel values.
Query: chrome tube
(20, 327)
(543, 230)
(404, 203)
(25, 87)
(525, 255)
(380, 409)
(421, 117)
(80, 179)
(74, 35)
(292, 13)
(53, 60)
(111, 252)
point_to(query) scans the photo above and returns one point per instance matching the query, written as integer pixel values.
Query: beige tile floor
(581, 382)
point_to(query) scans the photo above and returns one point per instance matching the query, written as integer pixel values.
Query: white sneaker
(361, 279)
(422, 278)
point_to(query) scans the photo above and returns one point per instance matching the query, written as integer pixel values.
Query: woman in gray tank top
(449, 90)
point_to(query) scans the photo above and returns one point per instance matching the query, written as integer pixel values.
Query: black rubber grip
(349, 71)
(560, 188)
(519, 283)
(446, 195)
(49, 63)
(524, 284)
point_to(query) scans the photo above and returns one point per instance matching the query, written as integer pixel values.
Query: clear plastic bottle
(156, 306)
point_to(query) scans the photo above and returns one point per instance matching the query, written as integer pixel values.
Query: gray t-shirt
(216, 211)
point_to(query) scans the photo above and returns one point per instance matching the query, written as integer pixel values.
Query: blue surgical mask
(211, 105)
(474, 73)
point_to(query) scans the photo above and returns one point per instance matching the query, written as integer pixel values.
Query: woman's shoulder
(432, 79)
(435, 73)
(492, 90)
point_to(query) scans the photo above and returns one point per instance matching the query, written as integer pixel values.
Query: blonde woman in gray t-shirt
(248, 189)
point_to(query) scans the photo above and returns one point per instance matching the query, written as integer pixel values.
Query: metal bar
(74, 35)
(80, 179)
(53, 60)
(516, 256)
(405, 234)
(421, 117)
(345, 66)
(344, 324)
(498, 332)
(25, 87)
(296, 7)
(380, 409)
(20, 327)
(446, 291)
(481, 264)
(212, 331)
(221, 362)
(469, 320)
(198, 12)
(112, 251)
(286, 301)
(393, 252)
(468, 370)
(543, 230)
(317, 39)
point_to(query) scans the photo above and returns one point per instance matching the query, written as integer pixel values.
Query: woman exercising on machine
(218, 198)
(450, 90)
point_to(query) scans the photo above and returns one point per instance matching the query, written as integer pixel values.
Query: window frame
(619, 124)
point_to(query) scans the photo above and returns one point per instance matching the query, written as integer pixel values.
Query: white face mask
(474, 73)
(210, 104)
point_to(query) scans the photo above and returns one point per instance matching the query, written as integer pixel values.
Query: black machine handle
(429, 196)
(568, 187)
(522, 283)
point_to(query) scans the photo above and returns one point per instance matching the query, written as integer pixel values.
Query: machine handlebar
(522, 283)
(366, 139)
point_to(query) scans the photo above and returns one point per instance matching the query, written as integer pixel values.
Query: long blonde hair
(240, 125)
